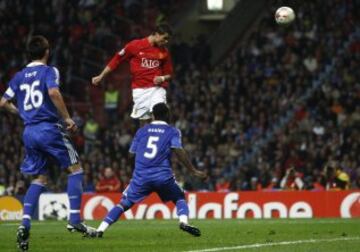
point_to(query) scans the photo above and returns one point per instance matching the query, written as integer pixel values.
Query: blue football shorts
(167, 189)
(44, 141)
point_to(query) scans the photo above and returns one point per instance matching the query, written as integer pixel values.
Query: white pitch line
(292, 221)
(284, 243)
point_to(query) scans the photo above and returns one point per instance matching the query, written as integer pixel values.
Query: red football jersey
(146, 62)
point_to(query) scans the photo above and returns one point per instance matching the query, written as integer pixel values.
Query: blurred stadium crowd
(256, 121)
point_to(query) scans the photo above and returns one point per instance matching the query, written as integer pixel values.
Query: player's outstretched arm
(9, 106)
(59, 103)
(116, 60)
(185, 161)
(97, 79)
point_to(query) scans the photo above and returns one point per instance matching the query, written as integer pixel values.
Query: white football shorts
(144, 99)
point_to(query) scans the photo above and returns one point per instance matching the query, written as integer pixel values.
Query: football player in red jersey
(151, 69)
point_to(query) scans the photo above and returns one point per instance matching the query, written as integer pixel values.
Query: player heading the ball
(151, 69)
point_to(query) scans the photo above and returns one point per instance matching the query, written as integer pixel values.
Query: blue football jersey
(152, 146)
(30, 89)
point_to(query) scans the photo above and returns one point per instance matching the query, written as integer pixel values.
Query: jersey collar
(159, 122)
(35, 63)
(147, 42)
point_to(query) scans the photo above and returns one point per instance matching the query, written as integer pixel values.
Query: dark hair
(163, 28)
(161, 112)
(36, 47)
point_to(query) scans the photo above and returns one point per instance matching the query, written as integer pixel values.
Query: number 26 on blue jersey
(33, 98)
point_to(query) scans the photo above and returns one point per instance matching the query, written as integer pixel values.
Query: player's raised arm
(118, 58)
(97, 79)
(185, 161)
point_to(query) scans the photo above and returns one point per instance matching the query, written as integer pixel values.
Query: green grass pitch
(313, 235)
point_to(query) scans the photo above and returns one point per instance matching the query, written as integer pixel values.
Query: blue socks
(114, 214)
(182, 207)
(74, 191)
(30, 201)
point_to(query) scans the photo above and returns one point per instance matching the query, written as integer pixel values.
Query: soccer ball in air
(55, 211)
(284, 15)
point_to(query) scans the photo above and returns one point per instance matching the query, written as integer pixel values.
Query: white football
(284, 15)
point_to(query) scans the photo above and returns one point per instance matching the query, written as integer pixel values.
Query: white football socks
(183, 219)
(103, 226)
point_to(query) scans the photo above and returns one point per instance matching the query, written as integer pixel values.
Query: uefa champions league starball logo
(55, 210)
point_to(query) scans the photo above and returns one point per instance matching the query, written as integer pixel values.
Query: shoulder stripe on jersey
(122, 52)
(179, 132)
(9, 92)
(57, 74)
